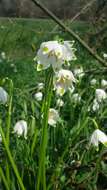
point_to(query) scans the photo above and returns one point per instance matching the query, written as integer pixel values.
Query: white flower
(60, 102)
(68, 51)
(3, 96)
(103, 83)
(76, 98)
(93, 82)
(3, 55)
(53, 53)
(79, 72)
(100, 95)
(40, 86)
(98, 136)
(105, 55)
(38, 96)
(53, 117)
(96, 105)
(20, 128)
(63, 81)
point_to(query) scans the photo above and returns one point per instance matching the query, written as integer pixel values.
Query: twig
(79, 13)
(82, 10)
(71, 32)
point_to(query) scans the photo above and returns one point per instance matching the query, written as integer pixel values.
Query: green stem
(46, 105)
(4, 179)
(11, 159)
(9, 112)
(34, 127)
(8, 124)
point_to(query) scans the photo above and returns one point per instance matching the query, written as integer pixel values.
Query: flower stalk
(41, 180)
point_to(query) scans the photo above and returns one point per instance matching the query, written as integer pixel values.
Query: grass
(71, 164)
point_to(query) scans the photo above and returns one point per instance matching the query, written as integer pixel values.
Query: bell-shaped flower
(54, 53)
(53, 117)
(100, 95)
(3, 96)
(38, 96)
(63, 81)
(96, 105)
(105, 55)
(68, 51)
(103, 83)
(40, 86)
(98, 136)
(59, 102)
(76, 98)
(93, 82)
(20, 128)
(79, 72)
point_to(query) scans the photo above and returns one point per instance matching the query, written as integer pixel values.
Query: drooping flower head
(98, 136)
(38, 96)
(59, 102)
(103, 83)
(20, 128)
(3, 96)
(40, 86)
(76, 98)
(68, 51)
(100, 95)
(96, 105)
(53, 117)
(63, 81)
(105, 55)
(54, 53)
(93, 82)
(79, 72)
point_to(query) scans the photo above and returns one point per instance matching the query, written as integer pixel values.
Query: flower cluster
(100, 96)
(54, 54)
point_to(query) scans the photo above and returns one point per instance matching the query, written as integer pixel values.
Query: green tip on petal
(61, 91)
(45, 49)
(39, 67)
(105, 144)
(35, 58)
